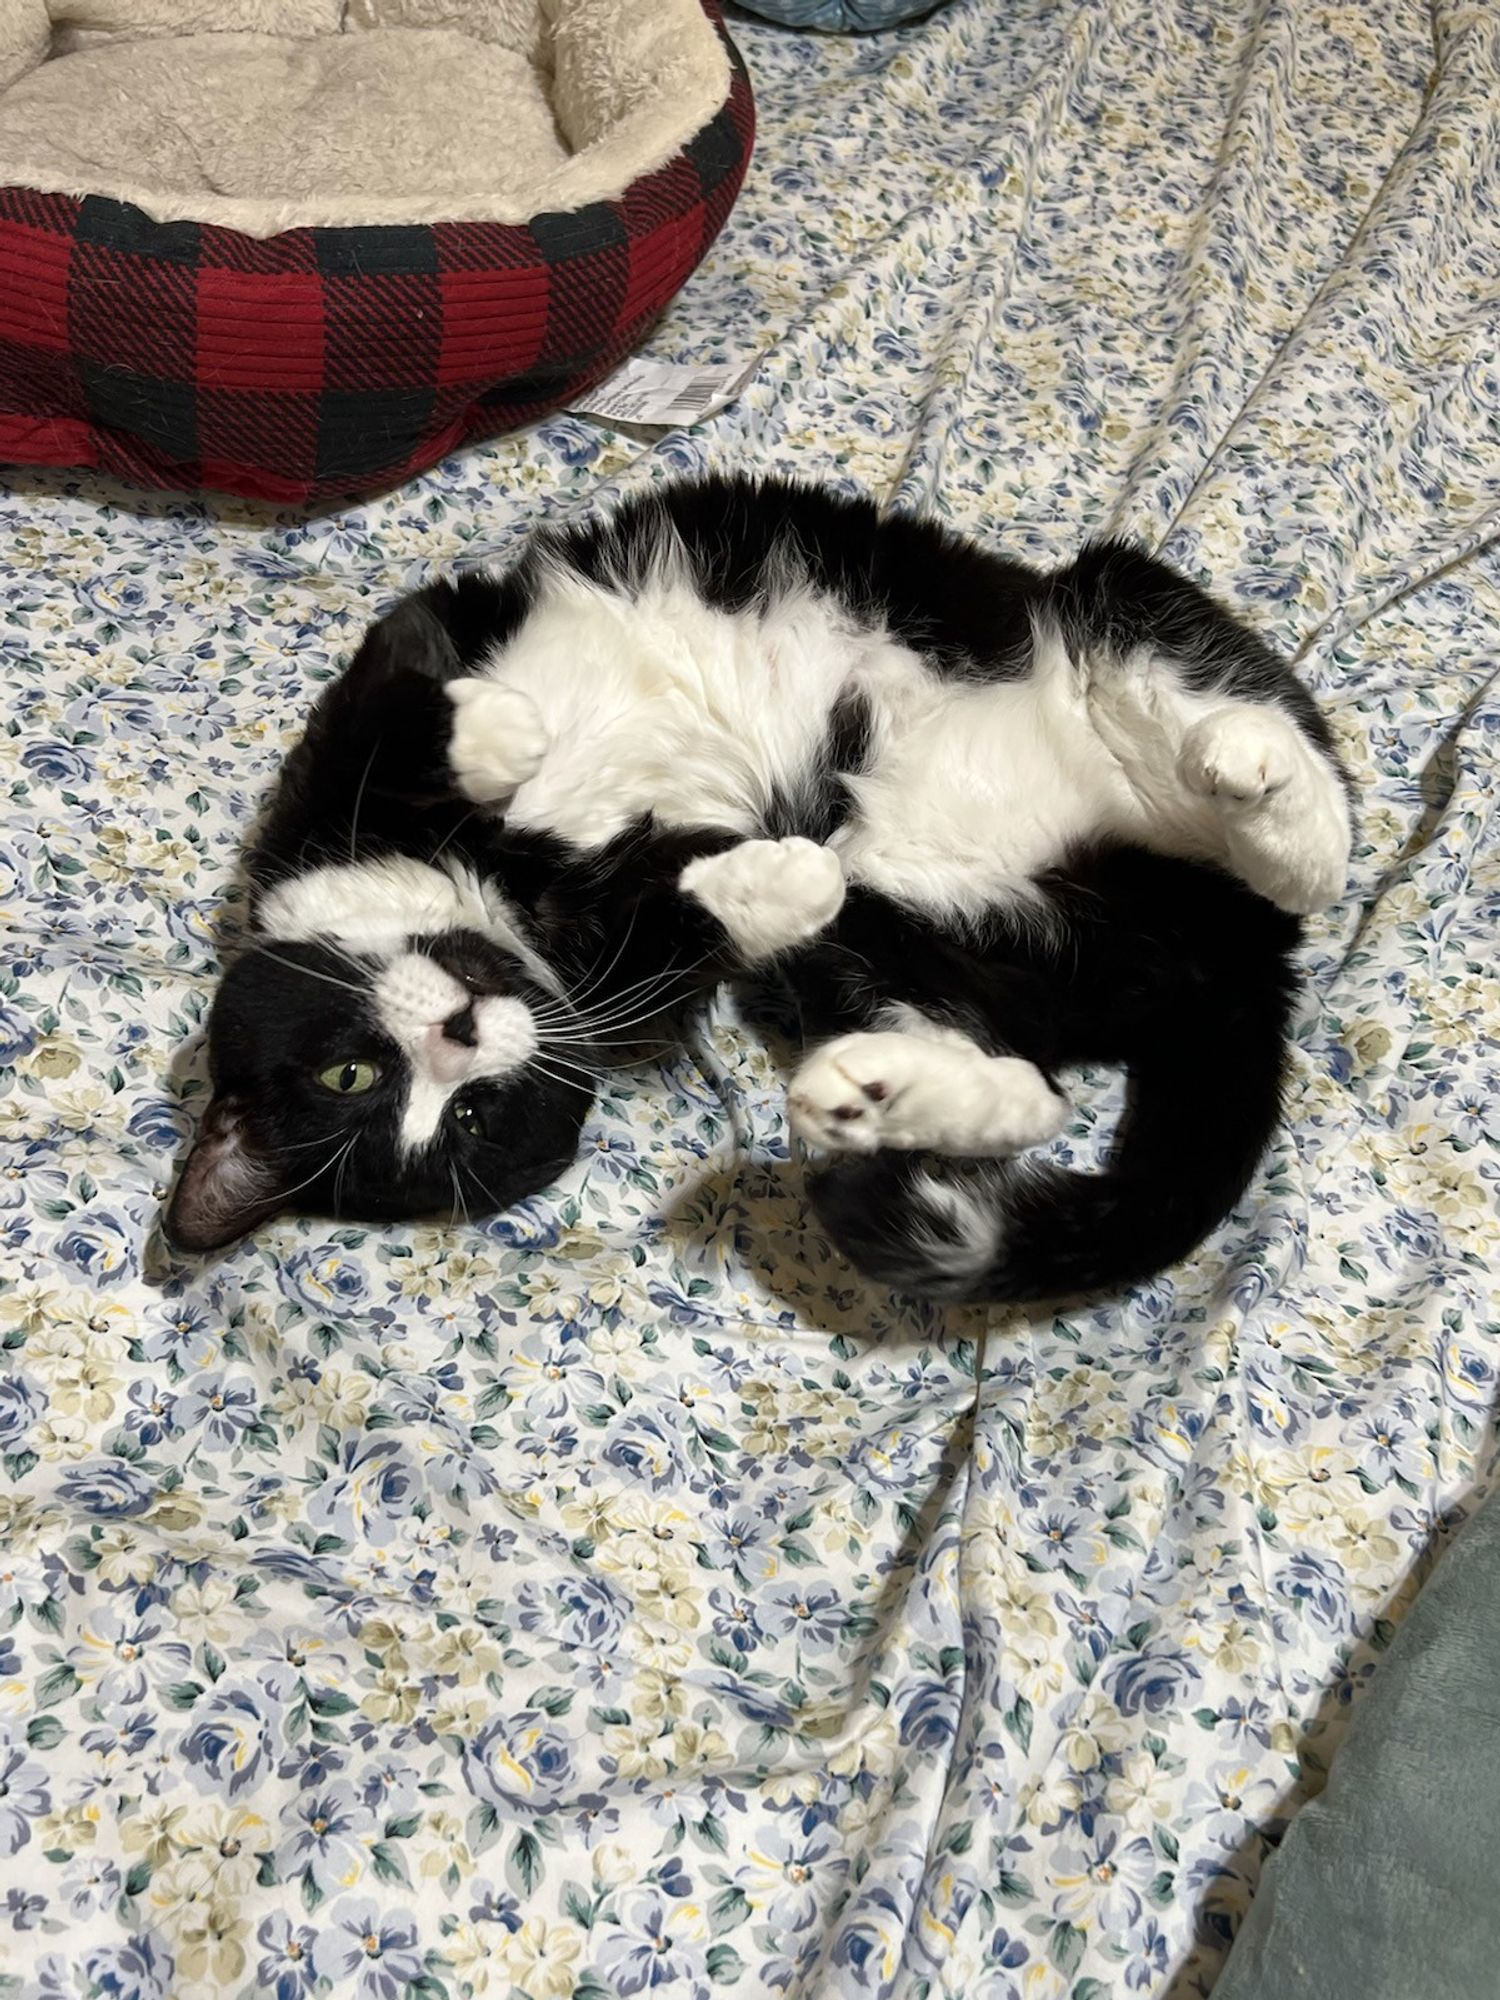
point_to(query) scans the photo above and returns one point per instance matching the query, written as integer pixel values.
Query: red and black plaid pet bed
(328, 360)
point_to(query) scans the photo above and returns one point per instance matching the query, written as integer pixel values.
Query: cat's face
(379, 1083)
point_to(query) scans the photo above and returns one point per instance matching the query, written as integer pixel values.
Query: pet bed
(619, 1600)
(301, 248)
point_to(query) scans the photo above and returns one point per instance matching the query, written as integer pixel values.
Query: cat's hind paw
(1283, 810)
(1238, 758)
(865, 1091)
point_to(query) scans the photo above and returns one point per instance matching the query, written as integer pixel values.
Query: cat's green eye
(466, 1117)
(350, 1079)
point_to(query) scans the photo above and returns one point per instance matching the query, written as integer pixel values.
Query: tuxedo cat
(984, 823)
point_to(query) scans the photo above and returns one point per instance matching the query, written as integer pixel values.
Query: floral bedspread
(618, 1598)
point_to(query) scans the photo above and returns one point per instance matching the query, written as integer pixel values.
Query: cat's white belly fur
(660, 704)
(977, 786)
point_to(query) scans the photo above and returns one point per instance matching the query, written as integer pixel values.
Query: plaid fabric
(323, 364)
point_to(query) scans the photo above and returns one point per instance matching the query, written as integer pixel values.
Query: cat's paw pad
(842, 1096)
(1238, 759)
(865, 1091)
(768, 894)
(498, 739)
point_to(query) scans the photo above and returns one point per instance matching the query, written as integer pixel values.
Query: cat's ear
(227, 1187)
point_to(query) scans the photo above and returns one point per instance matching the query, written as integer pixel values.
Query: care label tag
(664, 395)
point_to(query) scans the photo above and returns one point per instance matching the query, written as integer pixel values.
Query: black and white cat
(985, 822)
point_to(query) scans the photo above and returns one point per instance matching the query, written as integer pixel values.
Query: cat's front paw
(498, 739)
(768, 894)
(866, 1091)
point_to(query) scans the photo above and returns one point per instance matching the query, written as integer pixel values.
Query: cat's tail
(1010, 1231)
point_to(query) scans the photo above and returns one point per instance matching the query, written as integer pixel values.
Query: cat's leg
(1283, 811)
(498, 739)
(1224, 749)
(1236, 779)
(768, 896)
(921, 1086)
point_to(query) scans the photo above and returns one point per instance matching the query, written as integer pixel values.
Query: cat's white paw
(1130, 704)
(862, 1092)
(1285, 817)
(768, 894)
(498, 739)
(1238, 755)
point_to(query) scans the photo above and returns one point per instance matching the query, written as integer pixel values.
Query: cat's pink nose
(448, 1059)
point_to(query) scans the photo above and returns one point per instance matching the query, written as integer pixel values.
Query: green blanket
(1387, 1887)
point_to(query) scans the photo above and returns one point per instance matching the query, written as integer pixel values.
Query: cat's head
(377, 1073)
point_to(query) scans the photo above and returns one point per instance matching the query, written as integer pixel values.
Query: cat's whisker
(451, 835)
(586, 1045)
(612, 1042)
(650, 1006)
(571, 1011)
(671, 970)
(320, 850)
(305, 1145)
(344, 955)
(310, 972)
(543, 1017)
(593, 983)
(460, 1206)
(324, 1166)
(554, 1053)
(659, 974)
(662, 979)
(359, 799)
(646, 1005)
(580, 1080)
(590, 1040)
(556, 1063)
(620, 1041)
(497, 1206)
(338, 1177)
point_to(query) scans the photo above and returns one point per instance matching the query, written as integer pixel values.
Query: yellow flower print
(543, 1957)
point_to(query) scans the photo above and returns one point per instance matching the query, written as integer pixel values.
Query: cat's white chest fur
(658, 703)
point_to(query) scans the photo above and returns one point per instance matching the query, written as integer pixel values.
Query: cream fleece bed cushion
(301, 249)
(263, 115)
